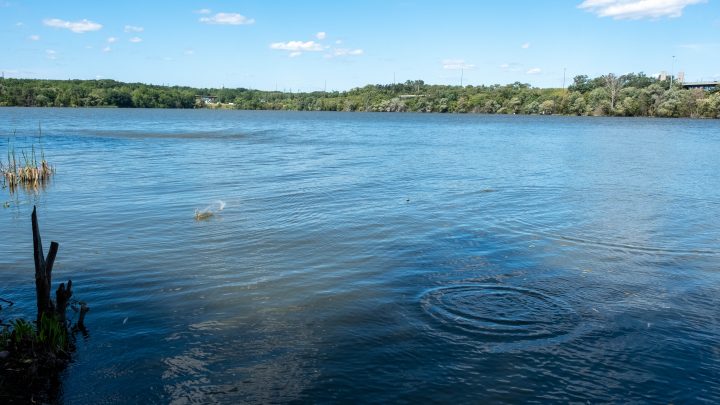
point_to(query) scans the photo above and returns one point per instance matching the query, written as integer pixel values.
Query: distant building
(681, 77)
(206, 99)
(663, 76)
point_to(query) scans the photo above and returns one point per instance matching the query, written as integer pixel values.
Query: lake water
(377, 257)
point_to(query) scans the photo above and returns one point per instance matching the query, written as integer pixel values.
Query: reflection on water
(373, 257)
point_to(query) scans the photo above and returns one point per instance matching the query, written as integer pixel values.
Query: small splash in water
(209, 211)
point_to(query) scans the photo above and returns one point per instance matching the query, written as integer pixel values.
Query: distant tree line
(608, 95)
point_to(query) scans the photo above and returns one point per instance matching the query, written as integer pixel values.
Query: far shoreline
(630, 95)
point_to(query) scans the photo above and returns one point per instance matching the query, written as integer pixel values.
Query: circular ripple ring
(499, 313)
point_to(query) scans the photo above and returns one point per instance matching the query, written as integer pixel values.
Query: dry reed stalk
(30, 174)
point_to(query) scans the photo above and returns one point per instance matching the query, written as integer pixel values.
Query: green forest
(608, 95)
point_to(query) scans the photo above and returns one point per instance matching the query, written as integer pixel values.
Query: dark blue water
(377, 258)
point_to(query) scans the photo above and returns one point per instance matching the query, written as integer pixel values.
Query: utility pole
(672, 72)
(393, 78)
(462, 72)
(564, 71)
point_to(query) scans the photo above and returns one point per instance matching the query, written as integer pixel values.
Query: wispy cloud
(534, 71)
(526, 45)
(189, 52)
(511, 67)
(347, 52)
(78, 27)
(51, 54)
(111, 40)
(34, 37)
(637, 9)
(133, 28)
(297, 46)
(321, 35)
(456, 64)
(135, 40)
(700, 47)
(203, 11)
(107, 49)
(294, 54)
(227, 19)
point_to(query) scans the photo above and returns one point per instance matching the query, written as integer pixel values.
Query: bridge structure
(706, 85)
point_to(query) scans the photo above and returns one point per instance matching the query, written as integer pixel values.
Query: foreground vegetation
(609, 95)
(32, 354)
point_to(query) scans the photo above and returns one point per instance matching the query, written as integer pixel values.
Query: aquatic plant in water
(26, 170)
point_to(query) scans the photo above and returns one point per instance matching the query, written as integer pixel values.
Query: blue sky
(307, 45)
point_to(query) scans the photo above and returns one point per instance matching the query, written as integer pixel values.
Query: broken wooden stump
(43, 279)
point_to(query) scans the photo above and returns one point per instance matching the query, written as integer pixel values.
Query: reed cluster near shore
(26, 169)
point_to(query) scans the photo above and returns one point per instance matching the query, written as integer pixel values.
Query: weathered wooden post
(43, 278)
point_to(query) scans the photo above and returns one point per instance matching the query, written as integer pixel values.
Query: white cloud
(338, 42)
(133, 28)
(637, 9)
(347, 52)
(19, 24)
(203, 11)
(526, 45)
(135, 40)
(511, 67)
(111, 40)
(228, 19)
(534, 71)
(297, 46)
(34, 37)
(700, 47)
(189, 52)
(295, 54)
(51, 54)
(107, 49)
(78, 27)
(321, 35)
(456, 64)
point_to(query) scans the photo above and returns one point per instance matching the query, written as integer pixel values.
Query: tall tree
(613, 84)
